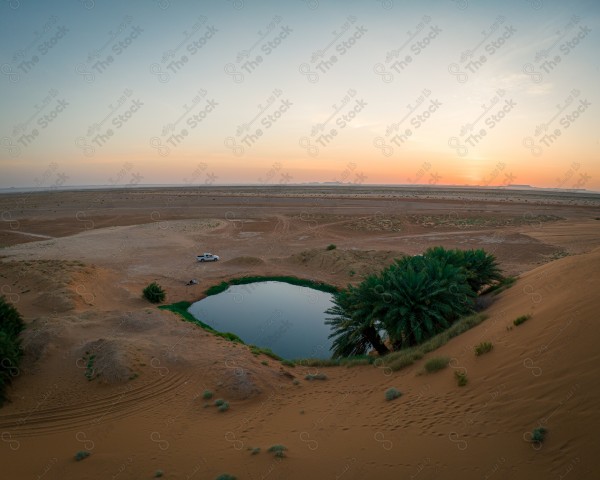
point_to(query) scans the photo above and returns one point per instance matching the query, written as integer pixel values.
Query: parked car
(207, 257)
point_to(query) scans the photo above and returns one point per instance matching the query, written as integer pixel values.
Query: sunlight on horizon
(354, 92)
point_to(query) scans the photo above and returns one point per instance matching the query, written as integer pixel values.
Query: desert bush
(255, 451)
(207, 395)
(522, 319)
(154, 293)
(11, 325)
(11, 322)
(316, 376)
(226, 476)
(278, 450)
(82, 455)
(436, 363)
(407, 356)
(331, 246)
(538, 435)
(223, 407)
(288, 363)
(392, 394)
(158, 474)
(461, 378)
(483, 347)
(219, 402)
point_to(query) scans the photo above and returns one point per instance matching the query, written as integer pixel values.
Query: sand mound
(105, 360)
(238, 384)
(359, 262)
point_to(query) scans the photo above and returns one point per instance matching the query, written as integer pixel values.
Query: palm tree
(481, 268)
(427, 295)
(355, 322)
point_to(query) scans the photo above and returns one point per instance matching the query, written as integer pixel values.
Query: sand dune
(138, 406)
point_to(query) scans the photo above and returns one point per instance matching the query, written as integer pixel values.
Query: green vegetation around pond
(301, 282)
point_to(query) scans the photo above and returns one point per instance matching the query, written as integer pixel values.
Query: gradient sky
(241, 91)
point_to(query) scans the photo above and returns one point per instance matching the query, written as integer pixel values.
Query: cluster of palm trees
(410, 301)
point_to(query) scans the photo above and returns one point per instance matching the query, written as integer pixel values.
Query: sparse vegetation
(226, 476)
(265, 351)
(90, 371)
(82, 455)
(223, 407)
(278, 450)
(522, 319)
(502, 285)
(406, 357)
(219, 402)
(538, 435)
(392, 394)
(461, 378)
(11, 325)
(158, 474)
(331, 246)
(288, 363)
(255, 451)
(264, 362)
(154, 293)
(207, 395)
(436, 363)
(483, 347)
(315, 376)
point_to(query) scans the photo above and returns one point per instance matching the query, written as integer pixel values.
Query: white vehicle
(207, 257)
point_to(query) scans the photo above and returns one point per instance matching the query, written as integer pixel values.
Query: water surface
(288, 319)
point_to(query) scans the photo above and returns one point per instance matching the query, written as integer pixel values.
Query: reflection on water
(286, 318)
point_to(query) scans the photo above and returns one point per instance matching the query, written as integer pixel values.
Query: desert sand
(74, 264)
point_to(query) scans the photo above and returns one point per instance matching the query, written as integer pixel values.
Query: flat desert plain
(74, 264)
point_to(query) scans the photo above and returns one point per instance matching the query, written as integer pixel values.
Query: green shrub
(219, 402)
(154, 293)
(223, 407)
(435, 364)
(265, 351)
(82, 455)
(264, 362)
(11, 325)
(392, 394)
(278, 450)
(158, 474)
(331, 246)
(288, 363)
(207, 395)
(255, 451)
(90, 371)
(522, 319)
(315, 376)
(11, 322)
(226, 476)
(538, 435)
(461, 378)
(483, 347)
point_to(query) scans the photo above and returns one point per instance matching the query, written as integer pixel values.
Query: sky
(444, 92)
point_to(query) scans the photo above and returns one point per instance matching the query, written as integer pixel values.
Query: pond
(288, 319)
